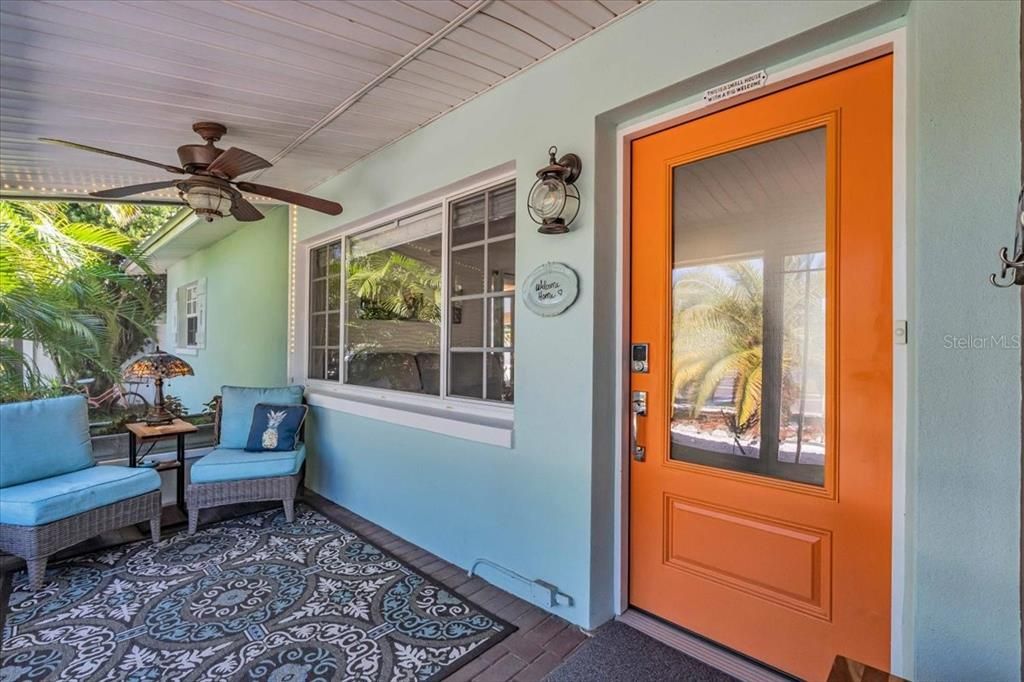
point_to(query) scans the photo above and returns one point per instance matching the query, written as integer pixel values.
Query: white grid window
(190, 324)
(191, 315)
(422, 304)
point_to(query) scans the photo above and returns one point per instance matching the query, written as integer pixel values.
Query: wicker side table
(140, 433)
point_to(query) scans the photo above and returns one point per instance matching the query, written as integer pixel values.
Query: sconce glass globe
(547, 199)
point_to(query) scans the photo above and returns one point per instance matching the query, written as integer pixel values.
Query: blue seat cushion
(237, 405)
(50, 499)
(43, 438)
(224, 464)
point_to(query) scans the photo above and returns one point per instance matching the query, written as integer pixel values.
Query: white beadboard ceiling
(311, 85)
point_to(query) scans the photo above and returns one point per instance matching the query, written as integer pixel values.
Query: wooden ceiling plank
(392, 101)
(501, 32)
(460, 66)
(265, 26)
(407, 14)
(156, 72)
(246, 31)
(169, 28)
(228, 61)
(317, 20)
(442, 79)
(56, 57)
(487, 61)
(443, 9)
(481, 43)
(619, 6)
(91, 95)
(381, 22)
(554, 16)
(416, 89)
(519, 17)
(590, 11)
(396, 125)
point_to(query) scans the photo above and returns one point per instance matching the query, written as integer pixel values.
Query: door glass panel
(748, 310)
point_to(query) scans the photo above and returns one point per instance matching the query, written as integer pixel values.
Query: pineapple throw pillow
(275, 427)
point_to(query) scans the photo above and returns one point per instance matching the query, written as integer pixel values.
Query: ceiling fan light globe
(208, 202)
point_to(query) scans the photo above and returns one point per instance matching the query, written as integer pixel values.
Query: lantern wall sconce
(554, 201)
(1013, 264)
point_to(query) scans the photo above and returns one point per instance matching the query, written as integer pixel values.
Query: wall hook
(1014, 263)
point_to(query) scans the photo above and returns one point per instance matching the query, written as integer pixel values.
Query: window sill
(192, 350)
(446, 421)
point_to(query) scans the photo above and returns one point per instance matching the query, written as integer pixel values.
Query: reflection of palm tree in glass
(718, 327)
(392, 286)
(393, 321)
(717, 330)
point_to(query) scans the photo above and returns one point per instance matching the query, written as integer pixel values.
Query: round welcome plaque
(551, 289)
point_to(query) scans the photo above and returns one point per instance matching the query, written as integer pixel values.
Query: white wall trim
(454, 190)
(893, 42)
(462, 425)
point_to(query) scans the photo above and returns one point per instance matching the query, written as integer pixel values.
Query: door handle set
(638, 408)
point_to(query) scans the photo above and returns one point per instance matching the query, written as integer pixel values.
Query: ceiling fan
(210, 188)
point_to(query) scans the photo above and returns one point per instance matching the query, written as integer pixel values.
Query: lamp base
(158, 416)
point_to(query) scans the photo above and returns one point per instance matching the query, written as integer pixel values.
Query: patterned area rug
(254, 598)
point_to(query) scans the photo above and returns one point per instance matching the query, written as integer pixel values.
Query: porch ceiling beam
(436, 37)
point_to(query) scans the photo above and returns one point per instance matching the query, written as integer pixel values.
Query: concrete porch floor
(541, 642)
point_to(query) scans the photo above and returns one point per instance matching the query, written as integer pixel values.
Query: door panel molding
(803, 583)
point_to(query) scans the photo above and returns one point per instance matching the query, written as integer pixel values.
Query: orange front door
(762, 281)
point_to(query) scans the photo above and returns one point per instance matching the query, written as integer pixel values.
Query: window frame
(494, 413)
(486, 298)
(179, 328)
(191, 298)
(326, 347)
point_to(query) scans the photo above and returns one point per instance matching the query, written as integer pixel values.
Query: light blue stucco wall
(546, 506)
(965, 99)
(246, 310)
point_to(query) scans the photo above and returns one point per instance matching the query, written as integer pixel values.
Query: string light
(293, 232)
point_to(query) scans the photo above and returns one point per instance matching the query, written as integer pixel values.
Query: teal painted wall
(246, 310)
(965, 99)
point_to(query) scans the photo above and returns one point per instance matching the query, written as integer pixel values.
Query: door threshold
(719, 658)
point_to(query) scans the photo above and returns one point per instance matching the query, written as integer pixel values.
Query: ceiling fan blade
(107, 152)
(235, 162)
(118, 192)
(304, 200)
(244, 211)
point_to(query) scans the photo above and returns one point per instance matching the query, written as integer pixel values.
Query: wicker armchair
(231, 475)
(52, 493)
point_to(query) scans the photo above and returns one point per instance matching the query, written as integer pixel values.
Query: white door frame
(895, 43)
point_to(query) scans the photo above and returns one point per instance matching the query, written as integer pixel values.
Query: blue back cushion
(43, 438)
(237, 405)
(275, 427)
